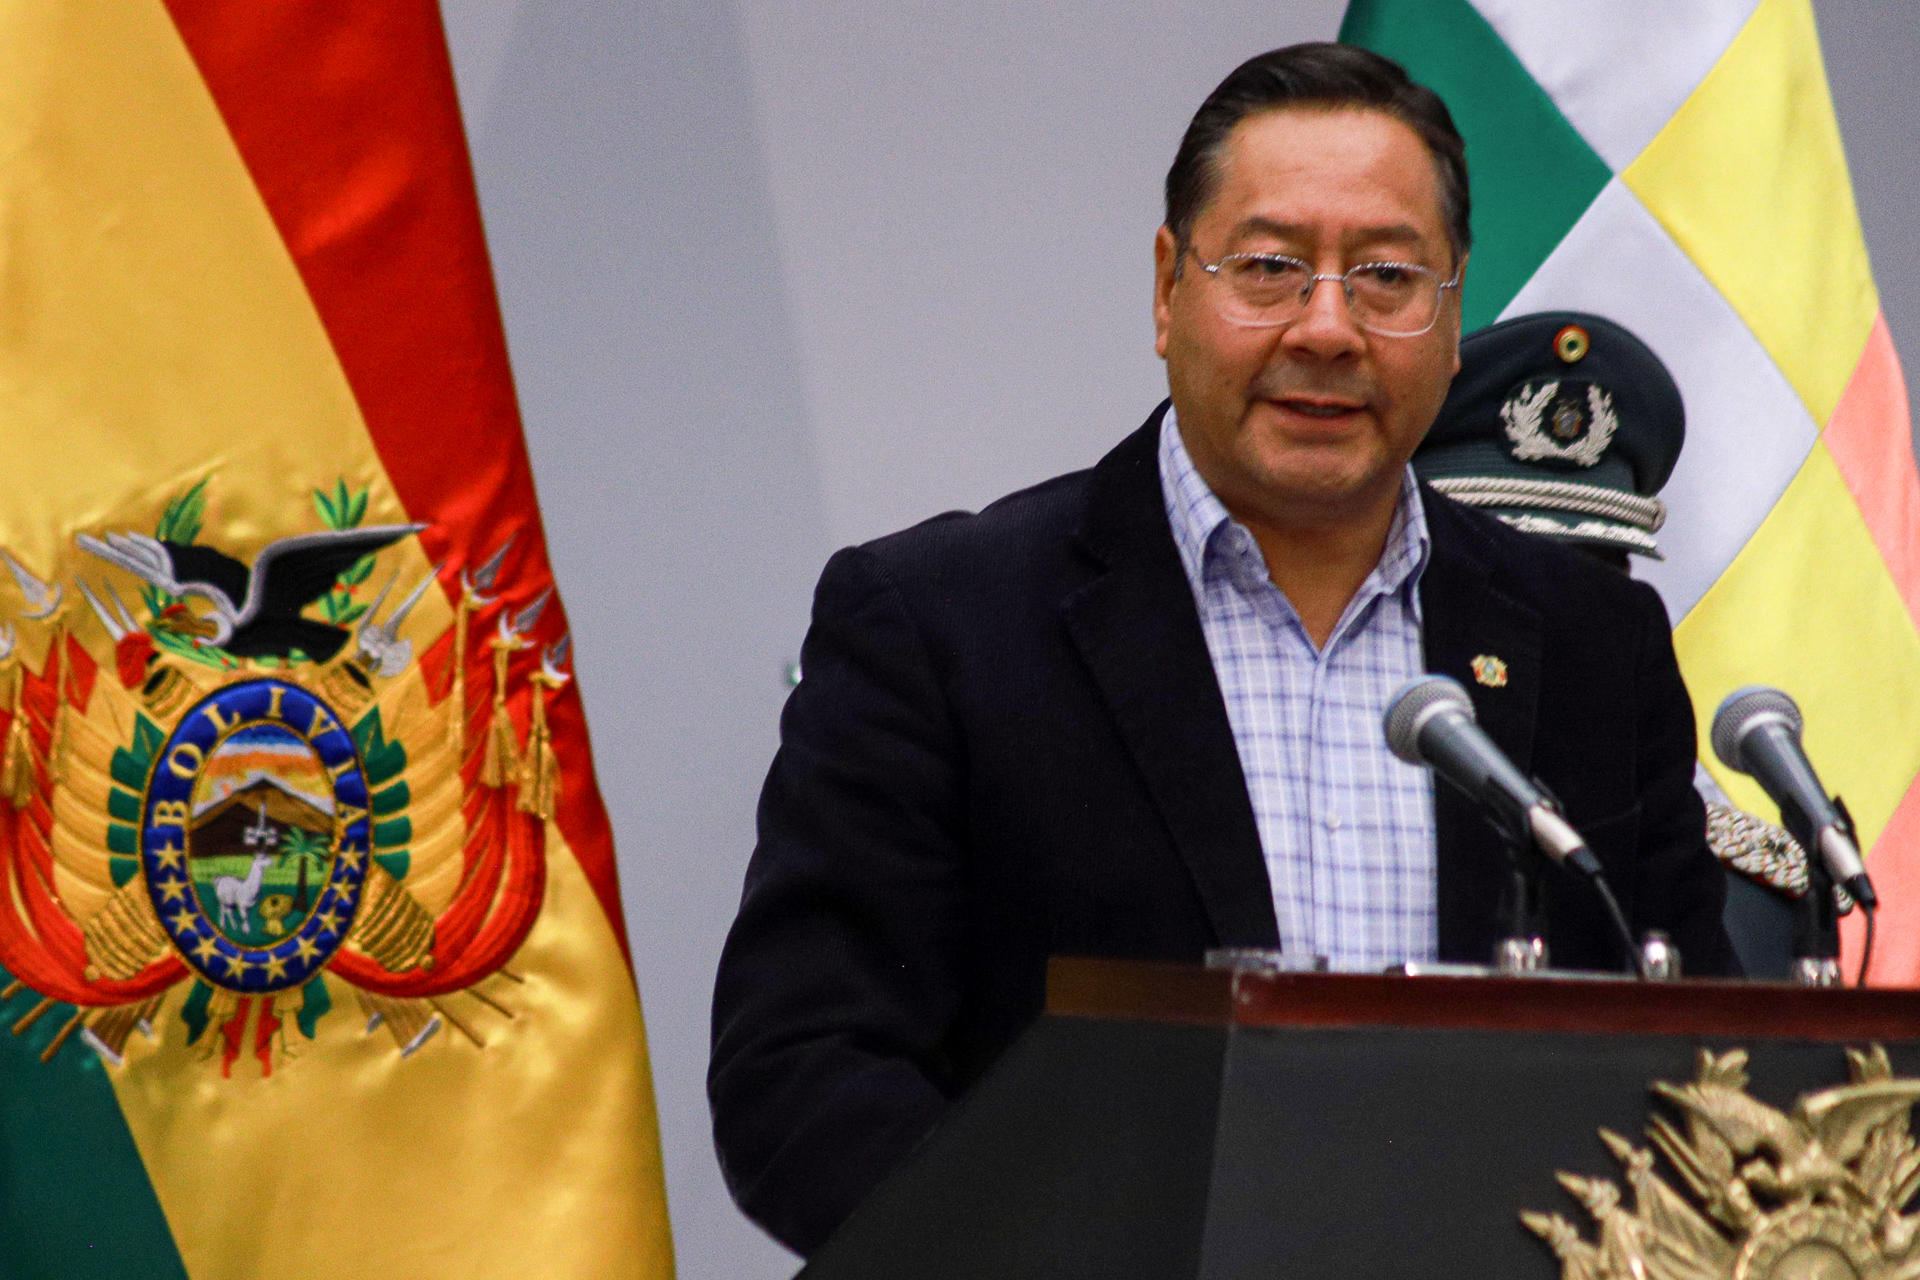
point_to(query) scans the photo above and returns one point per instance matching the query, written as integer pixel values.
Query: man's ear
(1166, 258)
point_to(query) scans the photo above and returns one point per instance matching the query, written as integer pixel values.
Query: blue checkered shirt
(1346, 828)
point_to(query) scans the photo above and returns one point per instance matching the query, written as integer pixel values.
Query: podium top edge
(1182, 993)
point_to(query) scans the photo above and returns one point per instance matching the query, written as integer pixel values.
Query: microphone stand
(1816, 918)
(1816, 929)
(1522, 948)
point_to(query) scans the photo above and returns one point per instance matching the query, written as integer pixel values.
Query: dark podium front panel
(1163, 1121)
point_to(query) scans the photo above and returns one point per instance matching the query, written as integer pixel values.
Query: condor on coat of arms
(261, 783)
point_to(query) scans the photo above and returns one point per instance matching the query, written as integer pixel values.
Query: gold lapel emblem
(1490, 671)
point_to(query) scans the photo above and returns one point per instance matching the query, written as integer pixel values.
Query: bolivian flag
(311, 954)
(1678, 168)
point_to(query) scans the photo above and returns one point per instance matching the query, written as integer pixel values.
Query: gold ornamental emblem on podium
(1749, 1192)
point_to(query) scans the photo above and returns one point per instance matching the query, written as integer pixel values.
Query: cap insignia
(1489, 671)
(1571, 344)
(1554, 422)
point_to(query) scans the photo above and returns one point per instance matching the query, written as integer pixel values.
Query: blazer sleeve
(840, 976)
(1680, 886)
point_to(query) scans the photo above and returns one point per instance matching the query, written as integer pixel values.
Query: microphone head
(1742, 710)
(1415, 706)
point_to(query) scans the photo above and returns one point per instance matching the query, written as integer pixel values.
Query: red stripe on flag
(1894, 862)
(351, 130)
(1870, 438)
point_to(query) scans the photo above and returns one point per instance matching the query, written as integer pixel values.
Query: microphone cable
(1866, 950)
(1430, 721)
(1636, 962)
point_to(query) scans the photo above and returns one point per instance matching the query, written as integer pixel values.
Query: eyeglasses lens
(1388, 298)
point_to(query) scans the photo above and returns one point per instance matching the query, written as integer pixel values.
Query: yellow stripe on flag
(495, 1163)
(1849, 656)
(153, 324)
(1750, 178)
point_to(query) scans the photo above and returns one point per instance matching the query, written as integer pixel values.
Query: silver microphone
(1431, 722)
(1756, 731)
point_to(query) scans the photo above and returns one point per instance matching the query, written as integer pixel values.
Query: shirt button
(1333, 822)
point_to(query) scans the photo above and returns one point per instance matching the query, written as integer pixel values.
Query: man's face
(1308, 425)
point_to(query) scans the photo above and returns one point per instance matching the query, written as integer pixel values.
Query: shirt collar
(1199, 521)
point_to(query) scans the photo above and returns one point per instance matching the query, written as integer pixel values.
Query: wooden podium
(1171, 1121)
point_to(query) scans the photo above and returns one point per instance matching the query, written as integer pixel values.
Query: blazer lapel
(1137, 631)
(1136, 628)
(1468, 620)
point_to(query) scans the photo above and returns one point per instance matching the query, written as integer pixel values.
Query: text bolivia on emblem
(223, 809)
(265, 744)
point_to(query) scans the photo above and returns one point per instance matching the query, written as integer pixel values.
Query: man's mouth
(1319, 408)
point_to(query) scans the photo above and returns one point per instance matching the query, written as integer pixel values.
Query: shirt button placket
(1326, 879)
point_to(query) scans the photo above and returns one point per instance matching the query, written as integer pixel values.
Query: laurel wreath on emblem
(214, 801)
(1817, 1193)
(1523, 415)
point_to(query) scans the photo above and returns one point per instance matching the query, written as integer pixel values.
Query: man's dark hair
(1321, 75)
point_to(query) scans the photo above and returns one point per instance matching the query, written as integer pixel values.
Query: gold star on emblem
(204, 950)
(182, 921)
(306, 948)
(350, 859)
(330, 919)
(175, 858)
(174, 890)
(241, 965)
(276, 968)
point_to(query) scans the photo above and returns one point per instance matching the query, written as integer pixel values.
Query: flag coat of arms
(1678, 168)
(311, 952)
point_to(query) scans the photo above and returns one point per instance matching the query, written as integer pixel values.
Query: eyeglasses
(1269, 290)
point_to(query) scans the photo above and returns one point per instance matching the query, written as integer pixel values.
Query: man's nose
(1325, 326)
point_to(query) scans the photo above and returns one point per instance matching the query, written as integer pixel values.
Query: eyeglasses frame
(1346, 289)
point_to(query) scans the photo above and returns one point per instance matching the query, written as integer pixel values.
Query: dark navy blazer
(1009, 744)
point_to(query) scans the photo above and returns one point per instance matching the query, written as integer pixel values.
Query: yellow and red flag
(311, 949)
(1678, 168)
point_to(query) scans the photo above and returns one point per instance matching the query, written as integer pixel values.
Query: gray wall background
(780, 275)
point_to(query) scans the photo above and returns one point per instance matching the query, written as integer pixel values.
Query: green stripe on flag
(75, 1201)
(1531, 172)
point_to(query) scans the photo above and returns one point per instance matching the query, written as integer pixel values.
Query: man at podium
(1135, 711)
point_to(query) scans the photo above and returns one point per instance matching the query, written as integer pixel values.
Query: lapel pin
(1490, 671)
